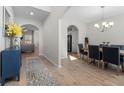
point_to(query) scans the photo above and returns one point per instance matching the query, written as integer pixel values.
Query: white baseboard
(59, 66)
(64, 57)
(50, 60)
(41, 54)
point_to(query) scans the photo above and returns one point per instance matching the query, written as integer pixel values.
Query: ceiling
(24, 11)
(88, 14)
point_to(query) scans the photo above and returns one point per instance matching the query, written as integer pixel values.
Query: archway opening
(72, 39)
(30, 39)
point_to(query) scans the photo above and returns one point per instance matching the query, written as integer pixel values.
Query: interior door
(69, 43)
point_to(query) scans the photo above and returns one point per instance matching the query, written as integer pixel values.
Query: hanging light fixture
(104, 26)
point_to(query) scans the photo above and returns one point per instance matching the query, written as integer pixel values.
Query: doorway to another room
(72, 40)
(30, 37)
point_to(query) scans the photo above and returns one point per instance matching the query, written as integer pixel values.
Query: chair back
(94, 52)
(120, 46)
(80, 46)
(101, 45)
(111, 55)
(115, 46)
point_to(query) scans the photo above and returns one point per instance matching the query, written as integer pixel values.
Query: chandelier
(105, 25)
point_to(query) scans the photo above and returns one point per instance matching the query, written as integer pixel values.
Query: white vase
(17, 41)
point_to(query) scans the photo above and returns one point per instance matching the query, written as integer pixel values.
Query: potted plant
(13, 30)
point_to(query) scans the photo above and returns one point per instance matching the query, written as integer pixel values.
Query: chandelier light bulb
(31, 13)
(104, 23)
(111, 23)
(96, 25)
(107, 25)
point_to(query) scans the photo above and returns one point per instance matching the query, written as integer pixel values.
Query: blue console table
(10, 64)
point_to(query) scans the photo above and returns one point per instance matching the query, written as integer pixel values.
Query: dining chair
(112, 55)
(121, 48)
(94, 53)
(101, 45)
(122, 57)
(115, 46)
(81, 51)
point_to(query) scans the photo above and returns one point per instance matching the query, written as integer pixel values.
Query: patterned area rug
(37, 74)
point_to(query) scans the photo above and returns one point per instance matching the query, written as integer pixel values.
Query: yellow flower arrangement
(12, 29)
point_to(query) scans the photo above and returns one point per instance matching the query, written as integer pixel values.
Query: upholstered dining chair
(121, 48)
(81, 51)
(94, 53)
(115, 46)
(112, 55)
(122, 57)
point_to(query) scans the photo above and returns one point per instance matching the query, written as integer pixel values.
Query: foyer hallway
(74, 71)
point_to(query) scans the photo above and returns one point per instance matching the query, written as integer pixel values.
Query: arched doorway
(72, 39)
(30, 38)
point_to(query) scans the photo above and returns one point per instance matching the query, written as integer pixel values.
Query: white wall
(1, 30)
(38, 38)
(81, 34)
(11, 13)
(51, 35)
(12, 18)
(5, 42)
(114, 36)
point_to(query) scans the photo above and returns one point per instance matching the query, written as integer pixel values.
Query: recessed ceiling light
(31, 13)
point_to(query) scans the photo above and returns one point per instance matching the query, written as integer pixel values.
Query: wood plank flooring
(76, 72)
